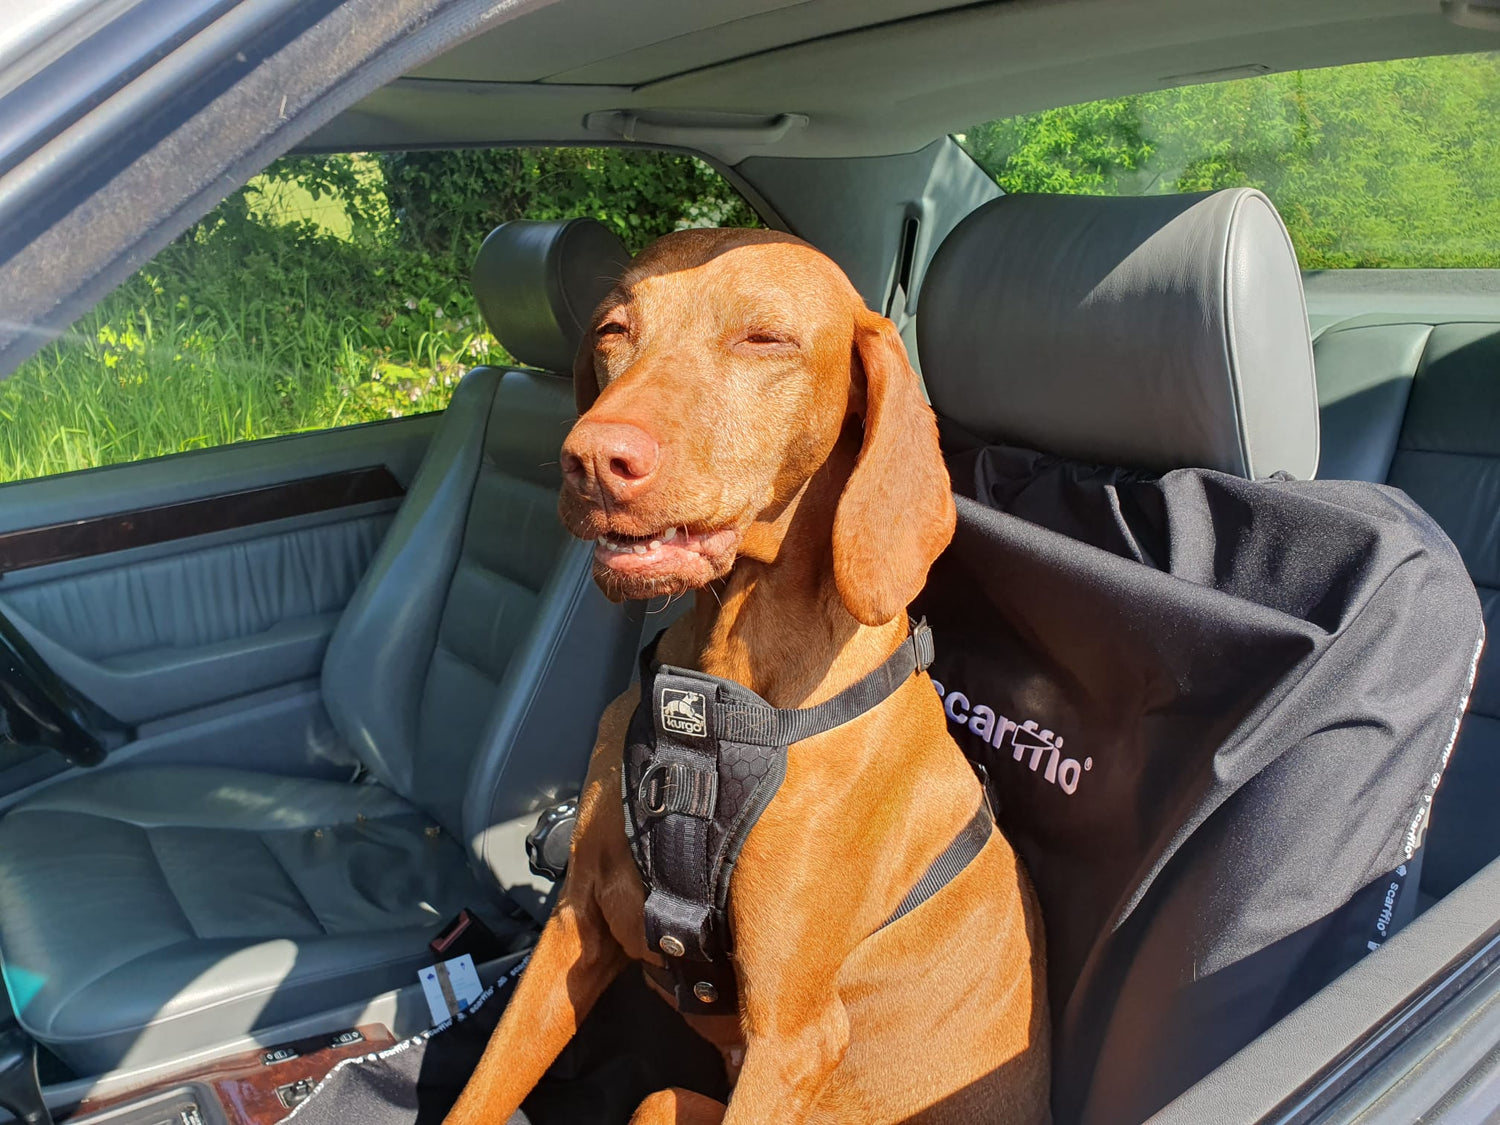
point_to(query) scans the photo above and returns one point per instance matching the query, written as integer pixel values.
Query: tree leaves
(1379, 164)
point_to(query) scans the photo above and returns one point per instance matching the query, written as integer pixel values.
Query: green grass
(272, 321)
(125, 385)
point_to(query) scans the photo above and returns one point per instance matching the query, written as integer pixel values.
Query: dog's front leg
(793, 1044)
(678, 1107)
(577, 955)
(574, 961)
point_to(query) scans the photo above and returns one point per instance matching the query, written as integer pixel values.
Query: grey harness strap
(704, 756)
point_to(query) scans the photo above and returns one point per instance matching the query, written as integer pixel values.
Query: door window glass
(328, 291)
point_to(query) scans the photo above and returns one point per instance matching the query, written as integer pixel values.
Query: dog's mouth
(661, 551)
(640, 554)
(668, 561)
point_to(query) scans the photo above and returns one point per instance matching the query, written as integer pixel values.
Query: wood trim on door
(142, 527)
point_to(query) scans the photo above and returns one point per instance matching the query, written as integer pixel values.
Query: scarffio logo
(1037, 749)
(684, 712)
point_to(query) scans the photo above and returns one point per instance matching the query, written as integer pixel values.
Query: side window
(1390, 164)
(330, 290)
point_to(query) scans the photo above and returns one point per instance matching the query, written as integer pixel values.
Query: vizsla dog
(749, 430)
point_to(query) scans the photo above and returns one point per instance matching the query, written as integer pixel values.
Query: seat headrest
(537, 283)
(1158, 332)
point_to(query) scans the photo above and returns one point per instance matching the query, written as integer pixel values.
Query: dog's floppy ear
(896, 514)
(585, 381)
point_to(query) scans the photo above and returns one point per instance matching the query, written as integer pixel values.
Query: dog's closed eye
(765, 338)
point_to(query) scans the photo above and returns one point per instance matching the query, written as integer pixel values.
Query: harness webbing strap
(956, 856)
(770, 726)
(677, 787)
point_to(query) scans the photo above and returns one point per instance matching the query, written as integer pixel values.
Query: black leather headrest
(537, 283)
(1158, 332)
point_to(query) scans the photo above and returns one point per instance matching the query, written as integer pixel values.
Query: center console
(256, 1088)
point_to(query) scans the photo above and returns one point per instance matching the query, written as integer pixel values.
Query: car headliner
(188, 121)
(872, 77)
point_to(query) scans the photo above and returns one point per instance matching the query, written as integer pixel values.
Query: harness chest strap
(704, 756)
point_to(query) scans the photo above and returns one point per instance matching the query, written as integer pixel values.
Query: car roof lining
(873, 78)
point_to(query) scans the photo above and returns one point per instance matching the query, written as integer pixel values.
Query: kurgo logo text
(1038, 750)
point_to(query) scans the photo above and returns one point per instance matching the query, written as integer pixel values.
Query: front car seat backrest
(1154, 332)
(479, 601)
(1213, 705)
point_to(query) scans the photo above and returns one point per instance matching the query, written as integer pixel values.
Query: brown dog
(760, 436)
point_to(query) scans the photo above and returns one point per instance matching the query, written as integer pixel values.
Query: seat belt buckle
(467, 934)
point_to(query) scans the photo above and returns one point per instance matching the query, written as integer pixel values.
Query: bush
(446, 201)
(329, 290)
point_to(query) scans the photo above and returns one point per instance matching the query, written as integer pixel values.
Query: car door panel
(204, 580)
(166, 635)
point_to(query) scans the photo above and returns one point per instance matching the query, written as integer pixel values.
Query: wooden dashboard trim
(142, 527)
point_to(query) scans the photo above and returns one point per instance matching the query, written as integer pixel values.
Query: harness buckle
(677, 787)
(923, 648)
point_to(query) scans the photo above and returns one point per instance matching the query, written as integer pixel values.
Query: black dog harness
(703, 758)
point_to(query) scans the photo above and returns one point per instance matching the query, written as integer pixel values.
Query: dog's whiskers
(666, 605)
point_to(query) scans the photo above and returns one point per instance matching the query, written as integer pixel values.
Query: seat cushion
(144, 912)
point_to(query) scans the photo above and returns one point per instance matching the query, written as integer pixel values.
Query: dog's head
(713, 383)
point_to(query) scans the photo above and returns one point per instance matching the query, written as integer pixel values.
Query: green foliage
(1081, 149)
(329, 290)
(446, 200)
(1381, 164)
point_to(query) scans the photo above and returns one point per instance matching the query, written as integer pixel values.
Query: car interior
(289, 733)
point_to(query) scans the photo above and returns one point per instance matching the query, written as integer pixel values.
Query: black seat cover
(1213, 708)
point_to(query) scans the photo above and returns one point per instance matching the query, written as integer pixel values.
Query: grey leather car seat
(1413, 401)
(149, 911)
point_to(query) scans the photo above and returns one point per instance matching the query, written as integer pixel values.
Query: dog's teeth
(668, 537)
(640, 548)
(655, 543)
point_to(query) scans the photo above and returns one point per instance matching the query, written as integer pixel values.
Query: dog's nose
(616, 458)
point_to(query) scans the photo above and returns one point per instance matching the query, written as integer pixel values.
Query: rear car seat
(148, 912)
(1414, 401)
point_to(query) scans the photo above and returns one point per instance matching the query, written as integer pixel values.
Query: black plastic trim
(77, 161)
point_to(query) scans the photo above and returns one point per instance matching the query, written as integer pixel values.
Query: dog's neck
(776, 624)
